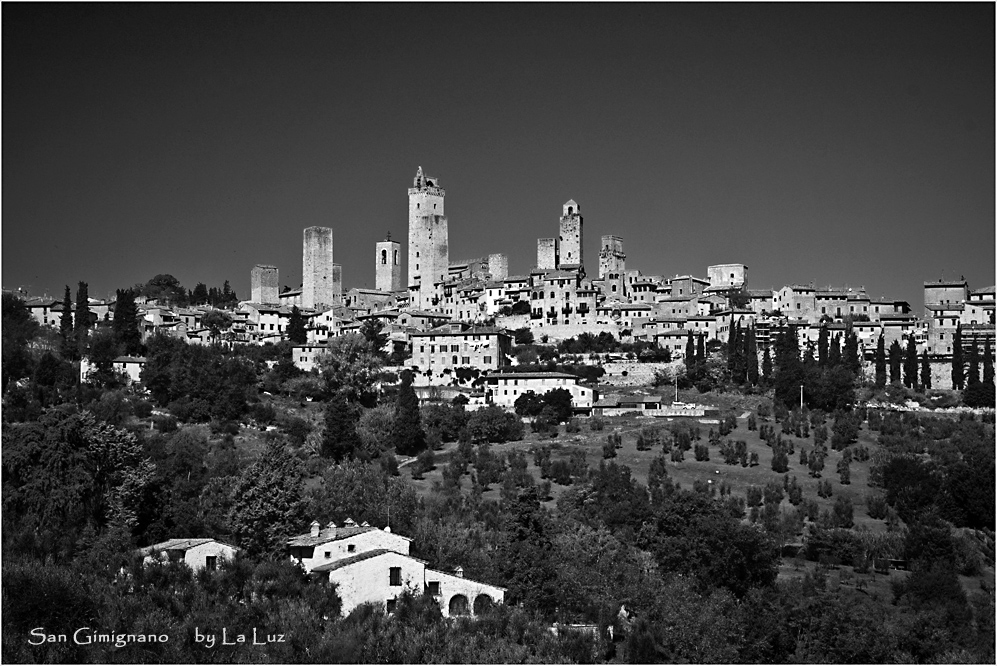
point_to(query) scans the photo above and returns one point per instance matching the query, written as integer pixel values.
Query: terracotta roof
(176, 544)
(327, 535)
(360, 557)
(531, 375)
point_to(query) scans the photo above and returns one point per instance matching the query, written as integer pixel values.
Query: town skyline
(200, 141)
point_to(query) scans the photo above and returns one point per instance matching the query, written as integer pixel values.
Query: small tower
(570, 239)
(388, 266)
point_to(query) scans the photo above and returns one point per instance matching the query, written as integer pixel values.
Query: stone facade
(428, 251)
(388, 266)
(265, 285)
(612, 267)
(498, 266)
(317, 287)
(727, 275)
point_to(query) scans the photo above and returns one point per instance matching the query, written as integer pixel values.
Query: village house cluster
(459, 314)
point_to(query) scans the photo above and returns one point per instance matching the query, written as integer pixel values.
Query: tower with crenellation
(428, 243)
(570, 239)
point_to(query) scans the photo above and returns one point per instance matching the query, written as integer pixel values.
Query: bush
(165, 424)
(495, 425)
(572, 426)
(596, 424)
(142, 408)
(876, 506)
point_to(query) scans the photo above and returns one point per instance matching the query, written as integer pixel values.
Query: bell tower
(428, 242)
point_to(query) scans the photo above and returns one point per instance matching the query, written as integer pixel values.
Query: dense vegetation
(240, 446)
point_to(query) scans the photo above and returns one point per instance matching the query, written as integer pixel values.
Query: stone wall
(264, 285)
(317, 268)
(637, 374)
(388, 266)
(547, 254)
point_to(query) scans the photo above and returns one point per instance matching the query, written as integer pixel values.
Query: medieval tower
(570, 240)
(317, 285)
(264, 285)
(388, 265)
(428, 248)
(546, 254)
(612, 266)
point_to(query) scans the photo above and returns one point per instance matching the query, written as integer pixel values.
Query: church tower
(570, 240)
(428, 247)
(388, 265)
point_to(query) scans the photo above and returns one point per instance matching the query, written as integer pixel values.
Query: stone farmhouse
(198, 554)
(373, 566)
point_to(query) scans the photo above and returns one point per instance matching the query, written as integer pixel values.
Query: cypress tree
(834, 352)
(82, 318)
(296, 331)
(125, 324)
(808, 355)
(850, 357)
(66, 326)
(822, 346)
(751, 354)
(925, 370)
(910, 364)
(988, 362)
(958, 376)
(973, 378)
(406, 432)
(340, 440)
(690, 353)
(881, 362)
(700, 350)
(896, 361)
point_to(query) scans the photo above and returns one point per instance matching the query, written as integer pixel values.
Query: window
(465, 360)
(799, 305)
(211, 562)
(392, 604)
(487, 359)
(434, 588)
(352, 548)
(328, 555)
(455, 360)
(395, 576)
(454, 348)
(422, 348)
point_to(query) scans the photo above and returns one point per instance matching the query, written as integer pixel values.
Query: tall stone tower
(571, 236)
(264, 285)
(428, 242)
(388, 265)
(317, 283)
(498, 266)
(612, 266)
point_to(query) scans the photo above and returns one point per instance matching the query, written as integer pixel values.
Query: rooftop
(174, 544)
(328, 534)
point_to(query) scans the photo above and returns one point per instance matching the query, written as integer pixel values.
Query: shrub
(596, 424)
(572, 426)
(493, 424)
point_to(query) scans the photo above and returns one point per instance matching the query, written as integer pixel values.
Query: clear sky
(843, 143)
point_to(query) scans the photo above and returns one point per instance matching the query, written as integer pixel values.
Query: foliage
(340, 439)
(493, 424)
(352, 366)
(296, 329)
(267, 502)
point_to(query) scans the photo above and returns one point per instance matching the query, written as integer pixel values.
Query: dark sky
(845, 144)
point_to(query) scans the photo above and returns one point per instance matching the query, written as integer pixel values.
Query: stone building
(727, 275)
(318, 287)
(428, 242)
(388, 266)
(547, 259)
(505, 387)
(456, 345)
(265, 285)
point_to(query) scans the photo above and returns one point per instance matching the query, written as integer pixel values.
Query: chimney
(459, 572)
(350, 523)
(331, 527)
(387, 528)
(316, 528)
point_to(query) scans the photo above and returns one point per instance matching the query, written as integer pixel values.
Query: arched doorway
(458, 605)
(482, 604)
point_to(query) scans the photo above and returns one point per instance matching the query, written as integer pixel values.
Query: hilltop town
(472, 466)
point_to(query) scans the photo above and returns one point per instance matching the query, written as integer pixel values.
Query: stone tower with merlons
(570, 239)
(428, 243)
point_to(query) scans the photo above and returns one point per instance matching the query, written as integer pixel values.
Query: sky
(844, 144)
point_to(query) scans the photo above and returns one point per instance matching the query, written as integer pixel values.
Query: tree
(529, 404)
(126, 325)
(881, 362)
(266, 502)
(200, 294)
(958, 369)
(559, 400)
(216, 321)
(822, 346)
(296, 332)
(925, 370)
(910, 364)
(988, 361)
(751, 352)
(896, 361)
(834, 352)
(350, 365)
(690, 354)
(373, 332)
(340, 440)
(973, 377)
(529, 570)
(523, 336)
(850, 356)
(66, 327)
(166, 289)
(767, 365)
(81, 321)
(789, 372)
(407, 434)
(700, 350)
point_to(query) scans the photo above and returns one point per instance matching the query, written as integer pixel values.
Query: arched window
(455, 360)
(396, 257)
(482, 604)
(570, 210)
(384, 257)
